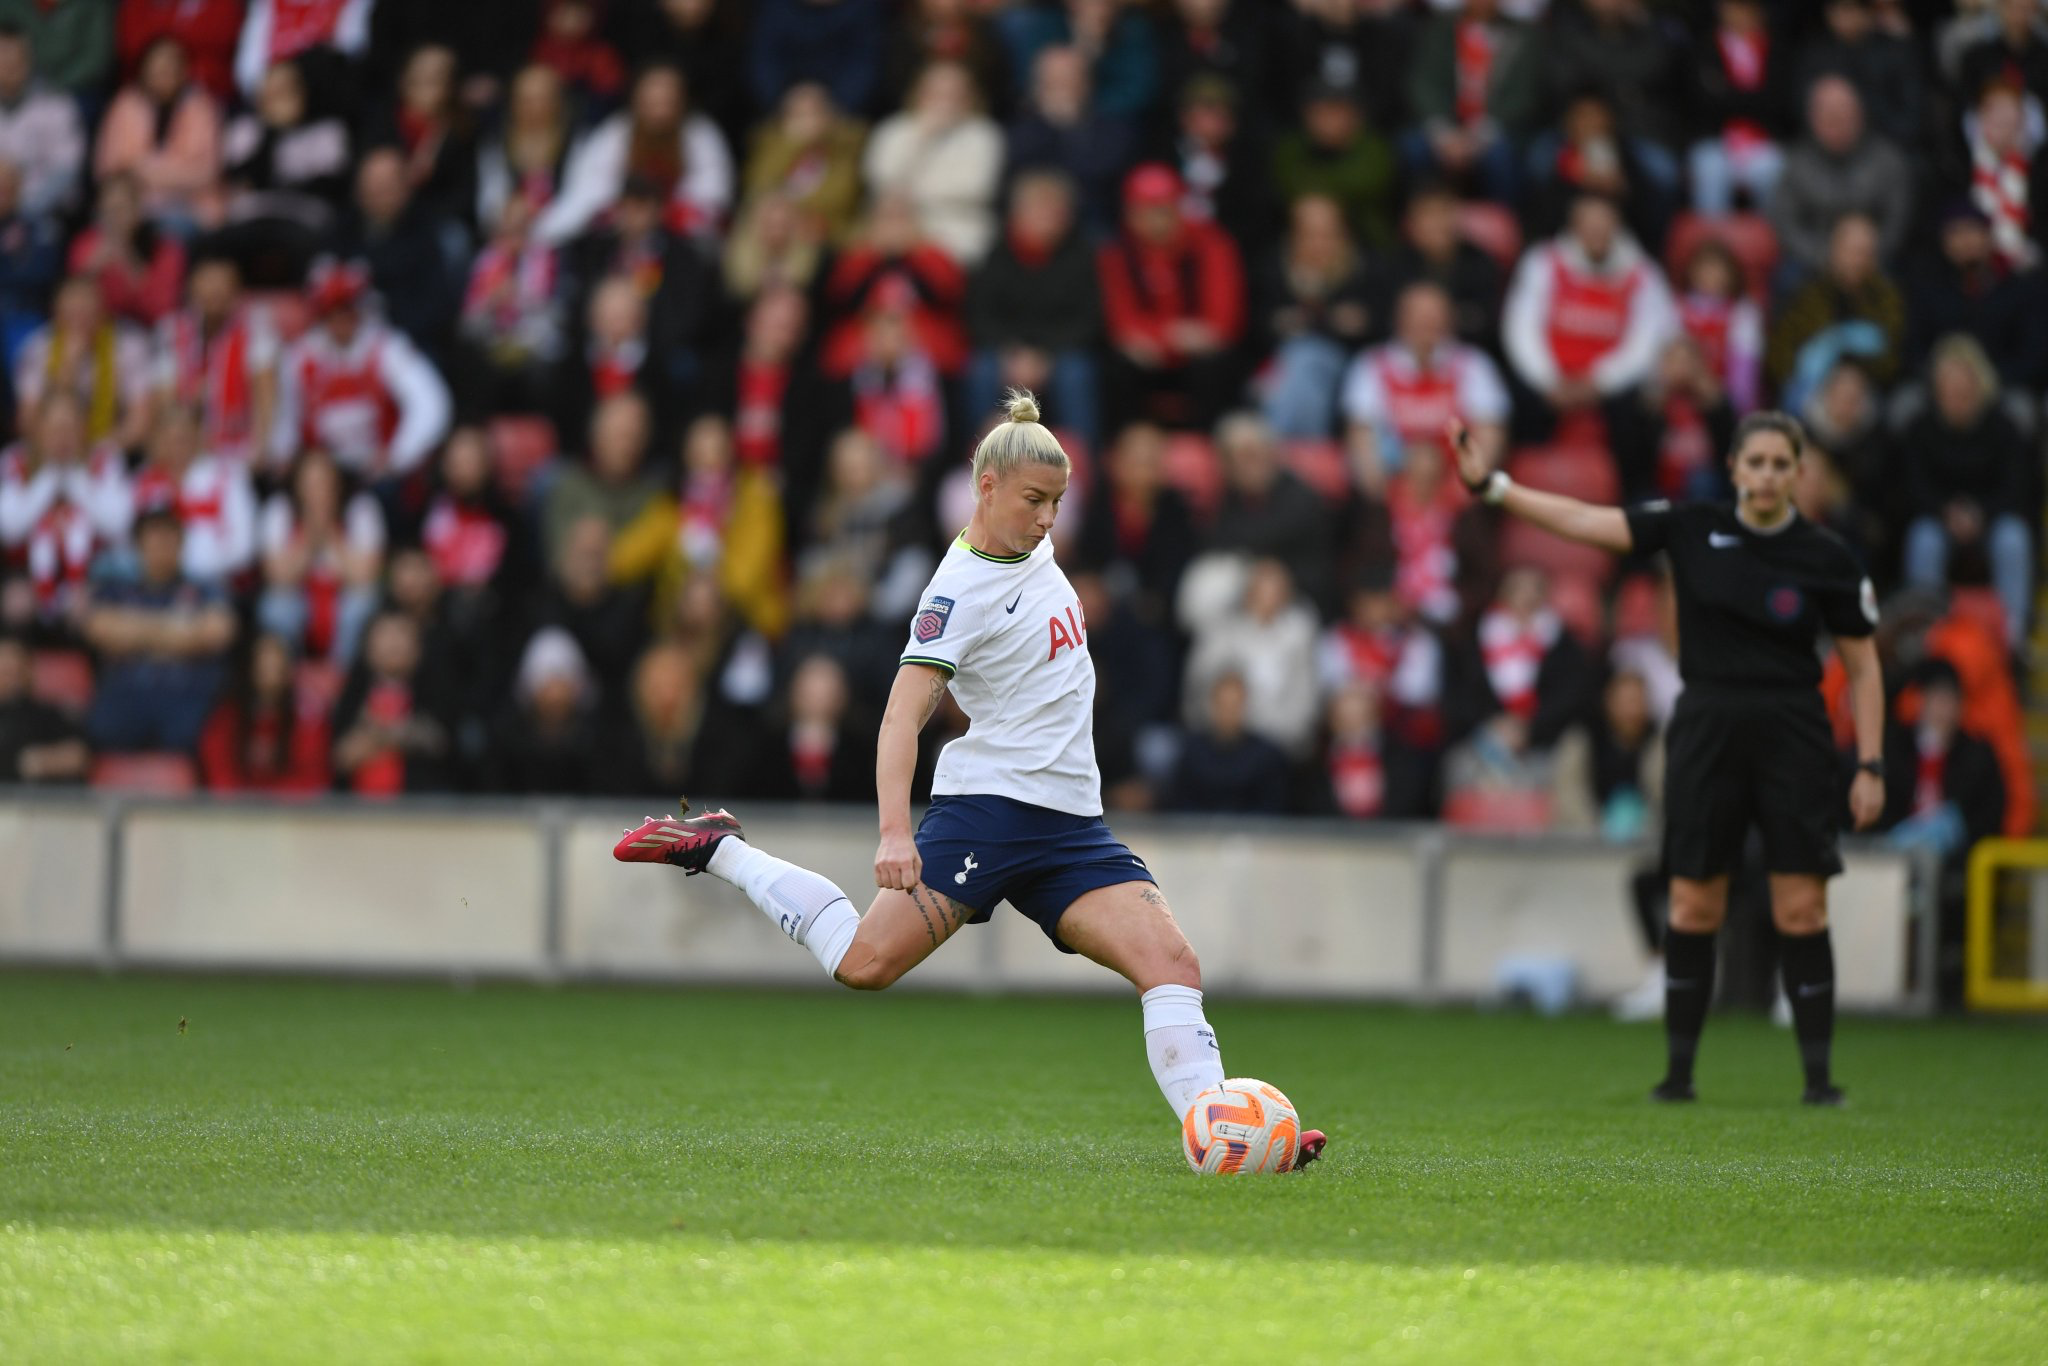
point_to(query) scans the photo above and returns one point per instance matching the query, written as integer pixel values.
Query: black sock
(1807, 963)
(1688, 991)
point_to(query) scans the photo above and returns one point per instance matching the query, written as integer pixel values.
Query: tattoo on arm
(931, 701)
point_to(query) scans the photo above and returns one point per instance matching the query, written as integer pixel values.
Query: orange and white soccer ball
(1244, 1125)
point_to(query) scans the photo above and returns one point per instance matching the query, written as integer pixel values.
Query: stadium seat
(1580, 470)
(520, 445)
(1479, 808)
(1493, 229)
(156, 775)
(1581, 606)
(1320, 465)
(1981, 605)
(1192, 467)
(1524, 544)
(1748, 235)
(1635, 608)
(62, 678)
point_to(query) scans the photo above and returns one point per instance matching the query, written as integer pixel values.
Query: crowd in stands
(573, 396)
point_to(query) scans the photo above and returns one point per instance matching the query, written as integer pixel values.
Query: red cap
(337, 284)
(1151, 183)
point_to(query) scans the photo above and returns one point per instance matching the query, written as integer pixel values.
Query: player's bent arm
(1585, 523)
(912, 700)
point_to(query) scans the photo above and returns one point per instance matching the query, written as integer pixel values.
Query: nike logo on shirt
(1721, 540)
(1012, 608)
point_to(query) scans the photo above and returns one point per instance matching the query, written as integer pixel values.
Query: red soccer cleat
(1309, 1149)
(668, 839)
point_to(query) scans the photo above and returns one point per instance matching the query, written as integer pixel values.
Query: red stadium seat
(1523, 544)
(1578, 471)
(1192, 467)
(1478, 808)
(1320, 465)
(1748, 235)
(1581, 606)
(1493, 229)
(1980, 605)
(520, 445)
(1635, 608)
(62, 678)
(158, 775)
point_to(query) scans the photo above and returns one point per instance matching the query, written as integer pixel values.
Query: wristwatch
(1874, 767)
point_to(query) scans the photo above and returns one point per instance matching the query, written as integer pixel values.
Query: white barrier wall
(1275, 910)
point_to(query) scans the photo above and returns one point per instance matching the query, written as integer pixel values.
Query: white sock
(806, 907)
(1180, 1045)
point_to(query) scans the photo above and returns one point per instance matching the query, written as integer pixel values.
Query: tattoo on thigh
(917, 899)
(937, 906)
(1152, 895)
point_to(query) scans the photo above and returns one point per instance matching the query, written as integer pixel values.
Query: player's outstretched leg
(1806, 960)
(1697, 909)
(805, 906)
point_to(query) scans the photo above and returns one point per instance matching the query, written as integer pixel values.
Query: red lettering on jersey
(1078, 632)
(1060, 640)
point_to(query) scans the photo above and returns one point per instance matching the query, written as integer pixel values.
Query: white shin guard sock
(1180, 1045)
(808, 908)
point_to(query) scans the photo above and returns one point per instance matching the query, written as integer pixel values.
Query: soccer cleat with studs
(670, 839)
(1309, 1149)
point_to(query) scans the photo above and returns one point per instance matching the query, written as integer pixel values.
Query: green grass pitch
(359, 1172)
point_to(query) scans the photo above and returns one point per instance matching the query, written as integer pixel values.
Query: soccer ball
(1244, 1125)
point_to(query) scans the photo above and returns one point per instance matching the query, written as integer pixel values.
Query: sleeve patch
(931, 620)
(1867, 595)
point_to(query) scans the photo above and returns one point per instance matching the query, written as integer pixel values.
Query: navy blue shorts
(982, 850)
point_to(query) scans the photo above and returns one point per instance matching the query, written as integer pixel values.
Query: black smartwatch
(1874, 767)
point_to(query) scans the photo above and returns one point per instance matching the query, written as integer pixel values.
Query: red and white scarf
(1513, 651)
(1999, 186)
(1358, 778)
(1475, 52)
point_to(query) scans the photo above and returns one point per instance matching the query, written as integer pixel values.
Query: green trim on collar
(961, 541)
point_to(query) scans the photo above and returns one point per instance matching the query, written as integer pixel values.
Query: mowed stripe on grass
(382, 1172)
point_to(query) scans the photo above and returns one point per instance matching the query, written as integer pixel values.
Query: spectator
(936, 30)
(1671, 435)
(1033, 311)
(1227, 38)
(777, 403)
(1745, 95)
(356, 387)
(477, 544)
(613, 489)
(893, 266)
(865, 518)
(1475, 87)
(267, 735)
(615, 355)
(1588, 312)
(323, 557)
(1881, 65)
(1609, 771)
(834, 617)
(1138, 531)
(1853, 309)
(1370, 44)
(707, 41)
(1225, 171)
(1589, 155)
(1635, 60)
(1315, 300)
(138, 266)
(2017, 47)
(1267, 510)
(282, 31)
(1967, 480)
(411, 256)
(1057, 130)
(808, 156)
(2008, 175)
(1838, 169)
(1337, 153)
(220, 355)
(1715, 310)
(1173, 298)
(1523, 662)
(206, 30)
(391, 730)
(1380, 646)
(40, 132)
(212, 496)
(770, 245)
(665, 718)
(1403, 393)
(1122, 46)
(825, 750)
(1355, 769)
(1965, 289)
(63, 501)
(549, 738)
(572, 46)
(1845, 418)
(430, 131)
(101, 362)
(896, 394)
(38, 743)
(31, 254)
(1949, 793)
(287, 172)
(162, 642)
(1266, 638)
(74, 44)
(1225, 765)
(512, 316)
(165, 129)
(657, 138)
(1434, 248)
(1495, 779)
(528, 155)
(946, 157)
(608, 619)
(837, 43)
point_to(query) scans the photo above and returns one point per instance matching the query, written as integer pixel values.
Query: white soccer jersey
(1008, 630)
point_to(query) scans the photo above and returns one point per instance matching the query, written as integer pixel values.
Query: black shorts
(1740, 756)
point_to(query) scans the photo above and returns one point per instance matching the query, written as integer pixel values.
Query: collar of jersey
(961, 541)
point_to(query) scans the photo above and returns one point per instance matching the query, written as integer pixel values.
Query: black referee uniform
(1750, 740)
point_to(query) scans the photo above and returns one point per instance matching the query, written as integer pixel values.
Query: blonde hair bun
(1022, 405)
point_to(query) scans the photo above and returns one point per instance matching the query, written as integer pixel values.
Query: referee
(1750, 740)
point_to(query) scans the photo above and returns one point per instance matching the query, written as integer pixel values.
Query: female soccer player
(1750, 740)
(1016, 809)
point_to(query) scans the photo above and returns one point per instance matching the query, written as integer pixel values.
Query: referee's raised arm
(1566, 517)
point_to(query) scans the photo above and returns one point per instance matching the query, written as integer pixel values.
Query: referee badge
(931, 620)
(1868, 596)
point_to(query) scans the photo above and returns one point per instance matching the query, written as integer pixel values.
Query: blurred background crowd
(573, 396)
